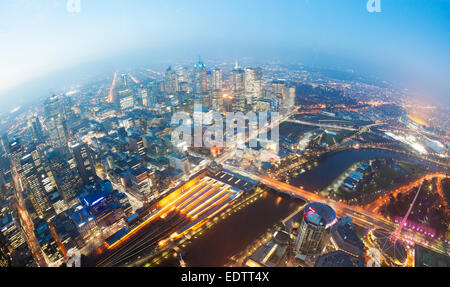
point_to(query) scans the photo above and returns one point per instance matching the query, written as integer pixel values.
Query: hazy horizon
(45, 47)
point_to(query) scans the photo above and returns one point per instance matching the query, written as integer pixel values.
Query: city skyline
(232, 135)
(402, 44)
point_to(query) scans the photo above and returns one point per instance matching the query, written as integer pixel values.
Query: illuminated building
(5, 260)
(171, 81)
(11, 230)
(84, 222)
(279, 90)
(252, 85)
(67, 180)
(217, 79)
(145, 99)
(127, 102)
(313, 235)
(33, 175)
(179, 162)
(47, 241)
(55, 122)
(238, 89)
(344, 237)
(136, 144)
(199, 80)
(84, 162)
(36, 129)
(101, 202)
(142, 183)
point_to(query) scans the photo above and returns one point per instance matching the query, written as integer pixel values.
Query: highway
(322, 125)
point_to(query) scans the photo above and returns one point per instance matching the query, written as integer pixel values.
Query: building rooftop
(339, 259)
(319, 214)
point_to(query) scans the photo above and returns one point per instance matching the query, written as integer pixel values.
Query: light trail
(111, 90)
(133, 78)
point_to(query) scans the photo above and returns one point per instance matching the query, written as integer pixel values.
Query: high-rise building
(279, 90)
(199, 80)
(171, 81)
(55, 122)
(67, 180)
(145, 98)
(253, 85)
(288, 103)
(127, 101)
(217, 79)
(36, 129)
(238, 89)
(84, 162)
(313, 235)
(35, 178)
(5, 260)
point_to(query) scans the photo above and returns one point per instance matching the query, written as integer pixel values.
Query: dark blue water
(334, 165)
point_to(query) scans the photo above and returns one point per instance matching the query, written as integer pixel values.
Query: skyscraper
(253, 85)
(171, 81)
(55, 123)
(67, 180)
(238, 89)
(36, 129)
(314, 232)
(84, 162)
(217, 78)
(199, 80)
(279, 90)
(33, 175)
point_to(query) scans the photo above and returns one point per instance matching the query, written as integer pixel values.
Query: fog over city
(45, 46)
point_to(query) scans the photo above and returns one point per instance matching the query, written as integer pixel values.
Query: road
(322, 125)
(27, 223)
(361, 216)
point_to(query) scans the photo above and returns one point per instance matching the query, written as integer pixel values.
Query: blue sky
(408, 42)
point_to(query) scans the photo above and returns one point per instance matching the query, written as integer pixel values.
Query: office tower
(55, 123)
(33, 175)
(36, 129)
(314, 234)
(238, 89)
(47, 241)
(279, 90)
(5, 260)
(291, 96)
(145, 98)
(183, 74)
(15, 154)
(217, 79)
(124, 81)
(126, 101)
(199, 80)
(252, 85)
(67, 180)
(287, 105)
(11, 229)
(171, 81)
(84, 162)
(209, 81)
